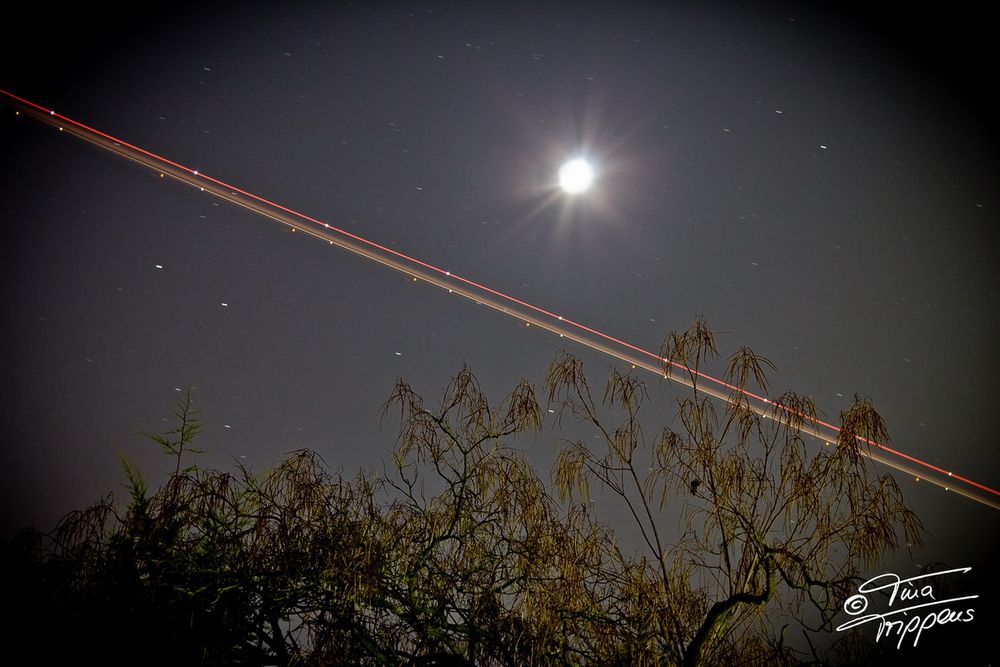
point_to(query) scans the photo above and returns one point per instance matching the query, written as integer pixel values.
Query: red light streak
(504, 303)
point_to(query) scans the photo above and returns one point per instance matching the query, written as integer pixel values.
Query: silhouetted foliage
(458, 552)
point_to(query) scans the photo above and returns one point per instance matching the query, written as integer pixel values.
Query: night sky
(820, 185)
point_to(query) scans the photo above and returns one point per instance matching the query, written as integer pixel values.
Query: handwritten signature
(898, 621)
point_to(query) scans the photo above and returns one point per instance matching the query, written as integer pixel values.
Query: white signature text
(913, 606)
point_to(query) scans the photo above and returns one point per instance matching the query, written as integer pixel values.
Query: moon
(576, 176)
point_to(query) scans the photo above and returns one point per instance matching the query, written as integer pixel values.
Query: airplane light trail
(501, 302)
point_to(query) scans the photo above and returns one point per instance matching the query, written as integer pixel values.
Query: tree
(772, 523)
(459, 552)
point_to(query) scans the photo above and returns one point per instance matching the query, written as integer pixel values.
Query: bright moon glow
(576, 176)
